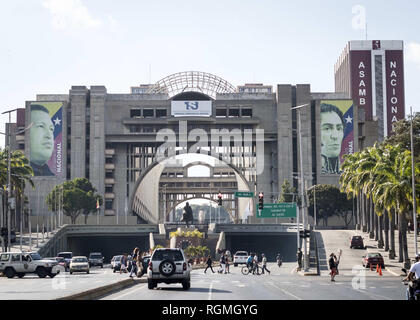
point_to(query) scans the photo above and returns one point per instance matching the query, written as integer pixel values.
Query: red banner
(361, 80)
(394, 87)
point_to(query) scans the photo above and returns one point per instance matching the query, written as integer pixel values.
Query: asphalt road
(31, 287)
(281, 284)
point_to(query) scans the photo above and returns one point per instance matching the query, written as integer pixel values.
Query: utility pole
(303, 202)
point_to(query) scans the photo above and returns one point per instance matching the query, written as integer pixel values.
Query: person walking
(227, 263)
(222, 263)
(264, 264)
(255, 261)
(209, 263)
(123, 267)
(333, 266)
(299, 259)
(135, 255)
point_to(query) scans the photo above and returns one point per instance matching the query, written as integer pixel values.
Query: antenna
(150, 73)
(366, 30)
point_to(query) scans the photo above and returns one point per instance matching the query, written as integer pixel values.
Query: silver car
(168, 266)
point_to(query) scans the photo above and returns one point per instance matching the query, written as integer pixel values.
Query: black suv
(357, 242)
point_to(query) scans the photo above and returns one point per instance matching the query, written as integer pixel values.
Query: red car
(373, 258)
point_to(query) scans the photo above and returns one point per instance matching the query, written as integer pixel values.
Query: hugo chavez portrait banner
(337, 133)
(46, 140)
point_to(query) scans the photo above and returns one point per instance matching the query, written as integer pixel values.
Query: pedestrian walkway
(30, 242)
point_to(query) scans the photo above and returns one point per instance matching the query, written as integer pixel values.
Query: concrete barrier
(104, 290)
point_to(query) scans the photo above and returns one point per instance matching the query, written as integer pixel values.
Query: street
(31, 287)
(281, 284)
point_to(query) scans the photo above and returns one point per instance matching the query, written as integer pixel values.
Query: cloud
(70, 14)
(413, 53)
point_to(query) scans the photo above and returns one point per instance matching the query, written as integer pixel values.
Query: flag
(97, 204)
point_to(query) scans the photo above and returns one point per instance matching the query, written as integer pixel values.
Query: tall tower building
(372, 74)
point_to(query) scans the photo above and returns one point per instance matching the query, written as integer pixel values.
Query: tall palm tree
(20, 172)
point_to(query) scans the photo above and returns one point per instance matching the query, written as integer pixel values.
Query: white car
(240, 258)
(168, 266)
(20, 263)
(79, 264)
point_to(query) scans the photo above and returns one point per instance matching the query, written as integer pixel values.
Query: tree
(329, 202)
(79, 197)
(20, 172)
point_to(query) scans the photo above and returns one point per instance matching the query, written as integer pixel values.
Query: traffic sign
(244, 194)
(277, 210)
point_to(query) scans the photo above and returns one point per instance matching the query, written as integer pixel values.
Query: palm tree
(20, 172)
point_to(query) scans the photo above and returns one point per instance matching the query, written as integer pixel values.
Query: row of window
(163, 113)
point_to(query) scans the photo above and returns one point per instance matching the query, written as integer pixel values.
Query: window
(221, 113)
(4, 257)
(161, 113)
(148, 113)
(246, 112)
(108, 204)
(135, 113)
(15, 257)
(233, 113)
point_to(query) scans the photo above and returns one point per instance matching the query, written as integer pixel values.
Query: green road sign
(277, 210)
(244, 194)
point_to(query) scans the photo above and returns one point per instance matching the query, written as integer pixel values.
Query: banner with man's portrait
(46, 139)
(337, 133)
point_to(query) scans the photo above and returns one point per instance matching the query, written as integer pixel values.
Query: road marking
(286, 292)
(210, 290)
(130, 292)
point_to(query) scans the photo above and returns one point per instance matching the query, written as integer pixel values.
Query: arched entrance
(166, 184)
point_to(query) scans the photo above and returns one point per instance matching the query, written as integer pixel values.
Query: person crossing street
(264, 264)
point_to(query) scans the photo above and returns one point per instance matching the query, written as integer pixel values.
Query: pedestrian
(255, 262)
(209, 263)
(123, 267)
(222, 262)
(299, 259)
(264, 264)
(135, 256)
(141, 269)
(227, 263)
(333, 266)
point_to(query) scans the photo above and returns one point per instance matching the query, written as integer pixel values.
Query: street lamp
(413, 183)
(305, 264)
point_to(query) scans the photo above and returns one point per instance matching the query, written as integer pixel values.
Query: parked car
(67, 258)
(373, 259)
(79, 264)
(20, 263)
(169, 266)
(240, 258)
(96, 259)
(357, 242)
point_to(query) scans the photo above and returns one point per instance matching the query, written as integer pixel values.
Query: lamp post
(305, 265)
(413, 183)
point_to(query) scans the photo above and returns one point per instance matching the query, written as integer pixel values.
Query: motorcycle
(414, 286)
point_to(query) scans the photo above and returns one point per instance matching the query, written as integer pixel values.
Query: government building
(139, 149)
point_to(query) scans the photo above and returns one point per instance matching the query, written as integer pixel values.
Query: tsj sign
(191, 108)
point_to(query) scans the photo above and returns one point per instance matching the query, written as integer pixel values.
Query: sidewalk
(28, 245)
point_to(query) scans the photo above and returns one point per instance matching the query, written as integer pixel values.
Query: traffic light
(219, 201)
(261, 201)
(305, 233)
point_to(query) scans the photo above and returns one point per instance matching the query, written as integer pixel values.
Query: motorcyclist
(413, 276)
(279, 261)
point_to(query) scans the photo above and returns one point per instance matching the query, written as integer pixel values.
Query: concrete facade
(111, 140)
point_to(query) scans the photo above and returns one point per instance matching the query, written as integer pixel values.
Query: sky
(47, 46)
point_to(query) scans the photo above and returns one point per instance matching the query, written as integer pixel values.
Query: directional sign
(277, 210)
(244, 194)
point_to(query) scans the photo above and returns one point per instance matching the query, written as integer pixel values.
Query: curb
(104, 290)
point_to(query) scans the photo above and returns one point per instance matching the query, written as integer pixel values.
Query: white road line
(128, 293)
(286, 292)
(210, 290)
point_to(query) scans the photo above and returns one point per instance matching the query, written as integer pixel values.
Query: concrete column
(78, 102)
